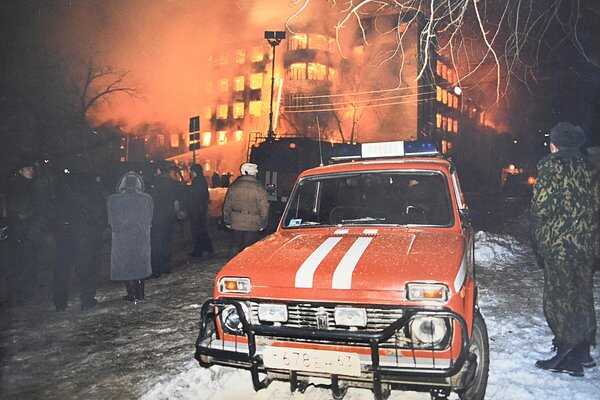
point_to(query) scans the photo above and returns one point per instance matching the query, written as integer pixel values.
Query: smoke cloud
(164, 44)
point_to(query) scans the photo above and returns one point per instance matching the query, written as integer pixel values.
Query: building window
(318, 42)
(238, 110)
(451, 75)
(160, 140)
(223, 59)
(438, 120)
(332, 73)
(239, 135)
(238, 84)
(445, 124)
(256, 81)
(206, 138)
(222, 111)
(446, 146)
(221, 137)
(255, 108)
(223, 85)
(257, 54)
(297, 72)
(442, 70)
(298, 41)
(240, 56)
(207, 114)
(452, 100)
(207, 166)
(438, 93)
(455, 126)
(444, 96)
(316, 72)
(174, 139)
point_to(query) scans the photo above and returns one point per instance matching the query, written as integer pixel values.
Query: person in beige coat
(246, 207)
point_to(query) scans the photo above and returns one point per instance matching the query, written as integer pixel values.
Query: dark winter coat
(198, 199)
(25, 206)
(20, 199)
(246, 206)
(165, 193)
(81, 202)
(565, 207)
(130, 218)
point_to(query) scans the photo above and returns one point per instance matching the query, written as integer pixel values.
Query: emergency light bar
(384, 149)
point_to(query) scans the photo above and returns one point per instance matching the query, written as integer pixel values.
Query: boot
(139, 292)
(566, 360)
(585, 358)
(129, 285)
(561, 353)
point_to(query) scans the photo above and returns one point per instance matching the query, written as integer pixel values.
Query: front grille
(304, 315)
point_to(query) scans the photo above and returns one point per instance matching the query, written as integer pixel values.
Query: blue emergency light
(398, 148)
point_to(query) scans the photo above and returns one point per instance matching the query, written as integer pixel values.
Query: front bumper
(413, 373)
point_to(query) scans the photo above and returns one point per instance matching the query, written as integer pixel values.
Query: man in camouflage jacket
(564, 209)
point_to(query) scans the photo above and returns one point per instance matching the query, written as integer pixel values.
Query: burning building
(362, 87)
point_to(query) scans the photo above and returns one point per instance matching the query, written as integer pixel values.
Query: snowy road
(122, 351)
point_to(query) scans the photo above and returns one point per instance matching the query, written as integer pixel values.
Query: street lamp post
(274, 38)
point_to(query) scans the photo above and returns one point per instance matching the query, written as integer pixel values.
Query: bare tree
(512, 37)
(99, 83)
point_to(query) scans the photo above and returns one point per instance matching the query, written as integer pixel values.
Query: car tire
(479, 345)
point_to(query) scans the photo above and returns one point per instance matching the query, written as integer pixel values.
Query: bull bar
(373, 339)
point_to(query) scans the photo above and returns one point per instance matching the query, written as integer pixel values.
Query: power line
(359, 101)
(361, 93)
(366, 106)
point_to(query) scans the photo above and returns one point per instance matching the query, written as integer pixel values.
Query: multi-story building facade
(364, 89)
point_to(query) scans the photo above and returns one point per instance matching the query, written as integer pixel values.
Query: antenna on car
(320, 149)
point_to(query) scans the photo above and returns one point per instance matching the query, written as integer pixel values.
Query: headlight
(427, 291)
(272, 312)
(428, 330)
(231, 319)
(348, 316)
(234, 285)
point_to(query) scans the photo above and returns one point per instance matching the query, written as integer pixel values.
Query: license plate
(329, 362)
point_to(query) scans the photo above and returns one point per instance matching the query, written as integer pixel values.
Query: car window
(381, 198)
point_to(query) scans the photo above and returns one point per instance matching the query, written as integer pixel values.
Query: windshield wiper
(363, 219)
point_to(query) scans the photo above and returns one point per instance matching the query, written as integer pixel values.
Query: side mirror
(465, 217)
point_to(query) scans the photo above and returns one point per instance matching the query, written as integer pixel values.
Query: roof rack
(400, 148)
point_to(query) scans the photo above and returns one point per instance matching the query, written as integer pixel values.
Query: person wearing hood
(246, 207)
(198, 211)
(130, 219)
(564, 208)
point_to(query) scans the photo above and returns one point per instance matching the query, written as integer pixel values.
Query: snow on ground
(510, 299)
(125, 351)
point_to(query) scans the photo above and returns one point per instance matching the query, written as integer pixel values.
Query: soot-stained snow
(125, 351)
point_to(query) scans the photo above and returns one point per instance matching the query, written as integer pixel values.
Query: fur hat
(566, 135)
(249, 169)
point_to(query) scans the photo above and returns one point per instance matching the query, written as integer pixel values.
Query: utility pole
(274, 38)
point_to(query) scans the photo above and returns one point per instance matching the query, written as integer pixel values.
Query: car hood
(352, 265)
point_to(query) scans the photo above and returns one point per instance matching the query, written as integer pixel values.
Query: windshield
(373, 198)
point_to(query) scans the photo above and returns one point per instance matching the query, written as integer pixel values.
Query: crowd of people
(60, 222)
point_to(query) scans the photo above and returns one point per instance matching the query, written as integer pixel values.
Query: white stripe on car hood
(306, 272)
(342, 277)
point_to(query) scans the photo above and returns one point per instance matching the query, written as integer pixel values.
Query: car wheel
(480, 350)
